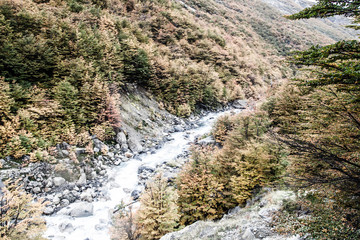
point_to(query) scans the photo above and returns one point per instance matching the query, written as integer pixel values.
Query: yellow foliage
(158, 213)
(20, 214)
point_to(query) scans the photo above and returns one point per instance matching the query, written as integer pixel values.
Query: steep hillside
(63, 63)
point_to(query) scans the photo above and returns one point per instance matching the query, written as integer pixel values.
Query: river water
(123, 177)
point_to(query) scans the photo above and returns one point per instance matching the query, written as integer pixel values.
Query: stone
(121, 138)
(100, 227)
(100, 146)
(93, 174)
(240, 104)
(64, 202)
(135, 145)
(87, 195)
(110, 154)
(178, 128)
(49, 210)
(65, 153)
(128, 155)
(82, 179)
(49, 183)
(56, 200)
(207, 141)
(82, 209)
(248, 235)
(66, 227)
(36, 190)
(59, 181)
(124, 148)
(135, 194)
(145, 168)
(64, 146)
(80, 151)
(126, 190)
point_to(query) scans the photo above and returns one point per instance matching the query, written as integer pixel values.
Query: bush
(327, 217)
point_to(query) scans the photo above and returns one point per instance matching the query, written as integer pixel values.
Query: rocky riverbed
(77, 181)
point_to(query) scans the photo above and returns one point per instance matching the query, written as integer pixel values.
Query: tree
(329, 8)
(325, 138)
(20, 215)
(158, 213)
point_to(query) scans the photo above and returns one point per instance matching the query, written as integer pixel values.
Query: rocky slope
(249, 223)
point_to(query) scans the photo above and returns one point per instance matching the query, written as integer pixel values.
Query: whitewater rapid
(122, 179)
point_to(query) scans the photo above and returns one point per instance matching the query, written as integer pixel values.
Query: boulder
(121, 138)
(87, 195)
(59, 181)
(100, 146)
(240, 104)
(82, 179)
(49, 210)
(248, 235)
(36, 190)
(207, 141)
(135, 145)
(145, 168)
(82, 209)
(135, 194)
(129, 155)
(178, 128)
(66, 227)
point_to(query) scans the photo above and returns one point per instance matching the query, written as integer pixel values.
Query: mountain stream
(122, 178)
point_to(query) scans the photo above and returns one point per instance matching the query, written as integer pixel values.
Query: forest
(65, 63)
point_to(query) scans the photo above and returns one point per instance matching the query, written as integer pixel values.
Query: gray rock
(87, 195)
(178, 128)
(82, 209)
(121, 138)
(135, 194)
(100, 227)
(100, 146)
(65, 153)
(80, 151)
(56, 200)
(49, 210)
(145, 168)
(66, 227)
(59, 181)
(124, 147)
(207, 141)
(49, 183)
(64, 146)
(248, 235)
(82, 179)
(135, 145)
(64, 202)
(111, 155)
(36, 190)
(2, 185)
(240, 104)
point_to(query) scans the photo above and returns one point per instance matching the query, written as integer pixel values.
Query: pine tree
(326, 135)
